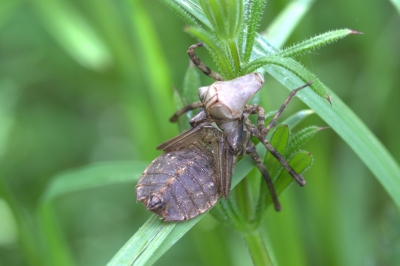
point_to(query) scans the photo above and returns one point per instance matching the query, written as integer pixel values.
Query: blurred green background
(85, 82)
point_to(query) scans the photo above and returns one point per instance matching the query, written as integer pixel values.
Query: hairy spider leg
(185, 109)
(251, 151)
(284, 105)
(262, 132)
(196, 60)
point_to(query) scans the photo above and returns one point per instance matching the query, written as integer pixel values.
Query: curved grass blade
(396, 4)
(92, 176)
(351, 129)
(293, 120)
(74, 34)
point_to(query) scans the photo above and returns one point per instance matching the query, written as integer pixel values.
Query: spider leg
(196, 60)
(280, 111)
(251, 151)
(185, 109)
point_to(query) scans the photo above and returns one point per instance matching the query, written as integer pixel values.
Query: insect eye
(155, 203)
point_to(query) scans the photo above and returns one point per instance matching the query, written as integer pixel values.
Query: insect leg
(285, 103)
(185, 109)
(251, 151)
(196, 60)
(299, 179)
(262, 137)
(256, 109)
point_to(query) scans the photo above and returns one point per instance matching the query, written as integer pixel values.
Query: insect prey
(196, 168)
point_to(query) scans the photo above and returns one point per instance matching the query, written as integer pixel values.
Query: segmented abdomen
(180, 185)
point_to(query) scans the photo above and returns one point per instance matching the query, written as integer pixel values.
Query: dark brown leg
(255, 132)
(286, 102)
(196, 60)
(262, 132)
(185, 109)
(251, 151)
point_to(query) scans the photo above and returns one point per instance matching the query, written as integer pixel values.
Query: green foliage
(89, 84)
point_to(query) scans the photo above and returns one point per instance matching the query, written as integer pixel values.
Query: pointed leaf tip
(323, 128)
(329, 100)
(355, 32)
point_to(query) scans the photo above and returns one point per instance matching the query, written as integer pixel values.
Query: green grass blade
(155, 61)
(92, 176)
(351, 129)
(194, 9)
(182, 12)
(284, 24)
(396, 4)
(55, 245)
(74, 34)
(254, 17)
(151, 241)
(293, 120)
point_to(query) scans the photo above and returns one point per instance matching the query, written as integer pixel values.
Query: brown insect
(196, 168)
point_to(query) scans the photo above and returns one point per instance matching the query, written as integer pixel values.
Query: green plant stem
(257, 249)
(243, 200)
(234, 53)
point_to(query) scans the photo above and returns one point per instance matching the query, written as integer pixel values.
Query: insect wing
(185, 139)
(224, 161)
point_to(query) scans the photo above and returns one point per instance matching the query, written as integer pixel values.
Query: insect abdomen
(180, 185)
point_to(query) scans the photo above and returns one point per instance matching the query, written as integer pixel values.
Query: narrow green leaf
(56, 248)
(212, 12)
(151, 48)
(225, 16)
(287, 20)
(300, 162)
(293, 66)
(315, 42)
(300, 138)
(26, 233)
(293, 120)
(279, 140)
(254, 14)
(182, 12)
(396, 4)
(154, 235)
(352, 130)
(93, 176)
(193, 8)
(74, 34)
